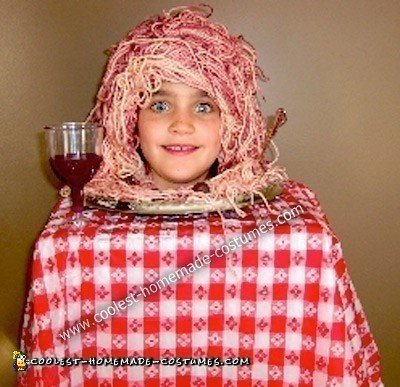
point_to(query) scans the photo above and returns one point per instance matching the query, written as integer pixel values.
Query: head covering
(183, 45)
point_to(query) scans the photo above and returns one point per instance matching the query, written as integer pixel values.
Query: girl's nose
(182, 124)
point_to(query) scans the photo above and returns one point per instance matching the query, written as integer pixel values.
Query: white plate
(173, 208)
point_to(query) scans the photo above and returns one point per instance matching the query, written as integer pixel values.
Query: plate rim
(171, 208)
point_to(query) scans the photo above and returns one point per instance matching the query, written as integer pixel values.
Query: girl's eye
(204, 107)
(159, 106)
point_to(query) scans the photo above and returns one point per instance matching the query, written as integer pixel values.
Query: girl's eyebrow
(165, 93)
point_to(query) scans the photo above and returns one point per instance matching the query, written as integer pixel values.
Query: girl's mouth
(180, 150)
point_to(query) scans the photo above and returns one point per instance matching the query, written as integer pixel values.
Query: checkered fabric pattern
(285, 300)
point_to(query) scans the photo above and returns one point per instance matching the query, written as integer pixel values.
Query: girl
(183, 126)
(207, 78)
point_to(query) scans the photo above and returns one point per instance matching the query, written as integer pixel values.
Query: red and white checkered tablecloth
(285, 300)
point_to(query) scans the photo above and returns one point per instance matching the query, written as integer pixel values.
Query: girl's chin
(177, 182)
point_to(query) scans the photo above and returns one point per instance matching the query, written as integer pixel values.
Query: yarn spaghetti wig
(183, 45)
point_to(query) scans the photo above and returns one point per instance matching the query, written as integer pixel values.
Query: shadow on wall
(9, 342)
(7, 346)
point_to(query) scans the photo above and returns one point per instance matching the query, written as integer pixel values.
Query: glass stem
(77, 199)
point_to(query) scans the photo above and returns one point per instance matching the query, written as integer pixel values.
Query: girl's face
(179, 135)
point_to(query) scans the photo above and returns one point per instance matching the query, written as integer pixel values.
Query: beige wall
(333, 66)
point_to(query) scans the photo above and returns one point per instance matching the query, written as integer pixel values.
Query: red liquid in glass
(76, 171)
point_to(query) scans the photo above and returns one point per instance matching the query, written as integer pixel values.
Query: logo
(20, 361)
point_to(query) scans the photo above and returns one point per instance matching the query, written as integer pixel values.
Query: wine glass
(74, 150)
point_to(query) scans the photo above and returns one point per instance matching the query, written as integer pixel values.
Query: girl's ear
(141, 155)
(147, 167)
